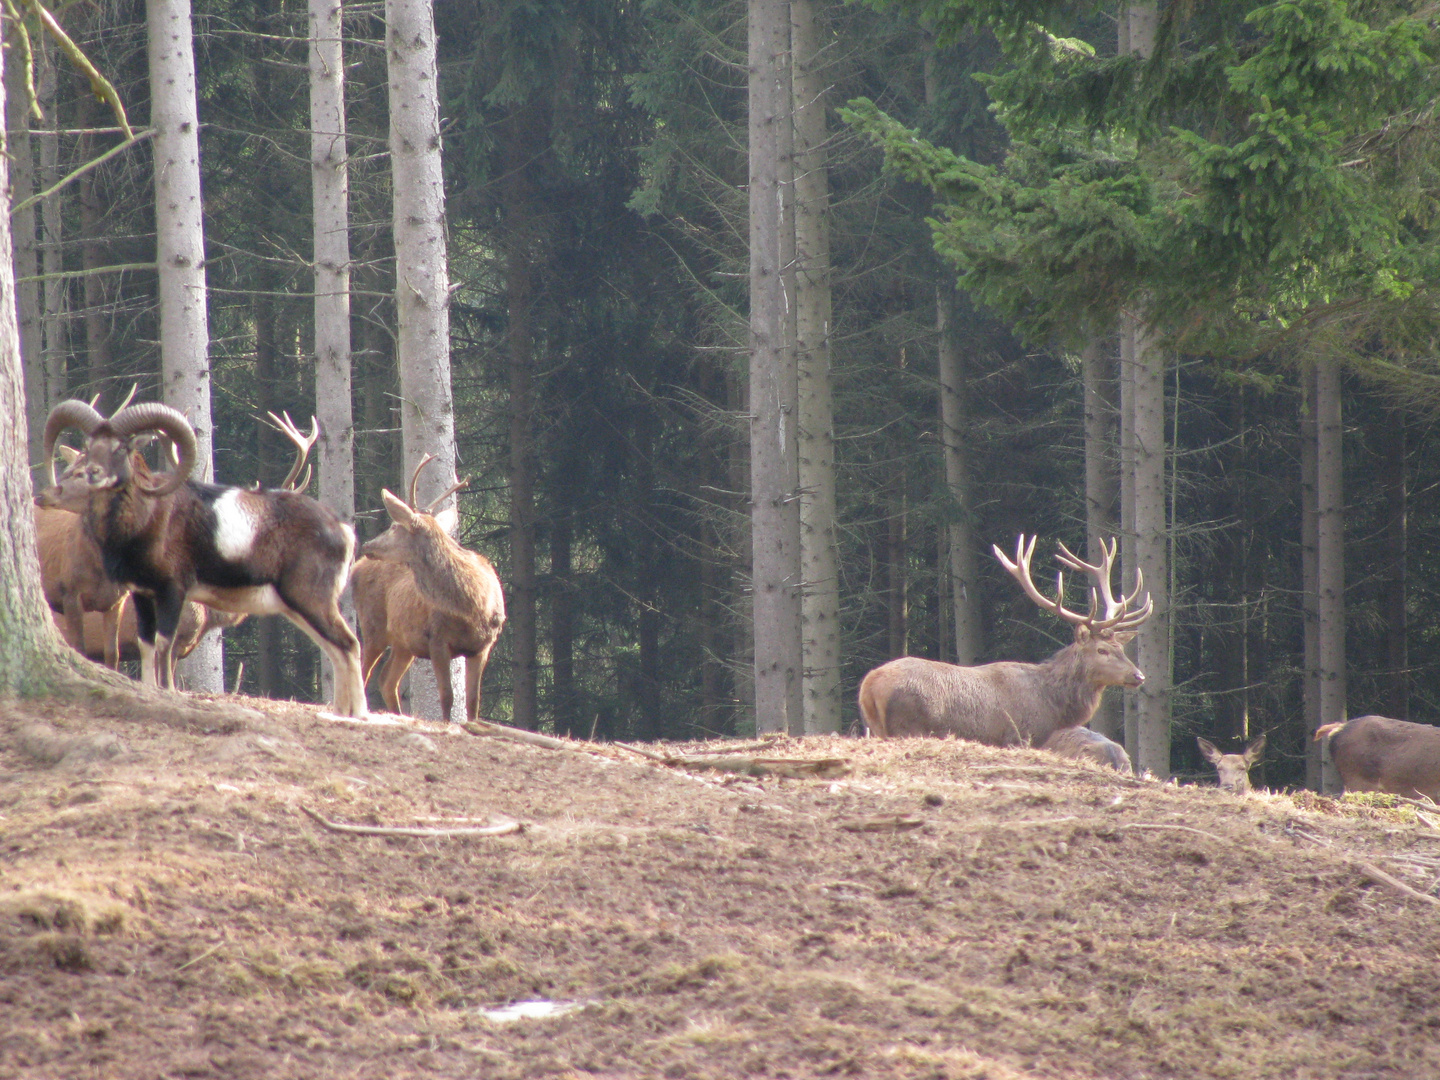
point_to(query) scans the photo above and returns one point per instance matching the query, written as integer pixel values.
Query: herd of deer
(142, 563)
(157, 559)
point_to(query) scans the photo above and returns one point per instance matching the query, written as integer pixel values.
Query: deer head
(1101, 634)
(411, 527)
(1233, 769)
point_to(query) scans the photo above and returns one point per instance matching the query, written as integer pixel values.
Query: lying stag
(1086, 745)
(419, 593)
(1233, 769)
(171, 538)
(1008, 704)
(1374, 753)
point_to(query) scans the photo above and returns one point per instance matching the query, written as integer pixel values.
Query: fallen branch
(1375, 874)
(378, 830)
(520, 735)
(889, 823)
(790, 768)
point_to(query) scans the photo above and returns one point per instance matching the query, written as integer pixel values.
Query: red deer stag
(1233, 769)
(1086, 745)
(1374, 753)
(419, 593)
(1009, 704)
(170, 538)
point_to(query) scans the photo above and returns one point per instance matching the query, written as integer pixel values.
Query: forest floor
(168, 909)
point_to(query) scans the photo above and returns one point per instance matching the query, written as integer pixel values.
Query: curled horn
(151, 416)
(68, 414)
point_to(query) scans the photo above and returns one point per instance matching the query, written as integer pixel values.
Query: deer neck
(1074, 693)
(443, 575)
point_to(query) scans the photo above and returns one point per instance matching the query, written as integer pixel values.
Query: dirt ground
(168, 909)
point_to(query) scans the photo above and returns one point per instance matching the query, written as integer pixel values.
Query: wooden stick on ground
(378, 830)
(790, 768)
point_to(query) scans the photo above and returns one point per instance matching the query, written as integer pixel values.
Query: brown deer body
(1087, 745)
(1008, 703)
(1233, 770)
(73, 577)
(420, 594)
(1375, 753)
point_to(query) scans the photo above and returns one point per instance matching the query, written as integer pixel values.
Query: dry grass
(168, 910)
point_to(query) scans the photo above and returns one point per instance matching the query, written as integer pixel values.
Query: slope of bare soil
(168, 910)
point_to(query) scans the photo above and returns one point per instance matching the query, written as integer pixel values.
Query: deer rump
(1375, 753)
(1000, 704)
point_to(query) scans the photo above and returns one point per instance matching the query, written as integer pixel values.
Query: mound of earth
(169, 907)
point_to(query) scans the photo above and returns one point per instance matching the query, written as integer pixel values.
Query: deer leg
(145, 638)
(474, 672)
(440, 659)
(328, 629)
(75, 620)
(395, 669)
(111, 623)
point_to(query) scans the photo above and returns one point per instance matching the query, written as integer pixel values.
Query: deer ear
(1207, 748)
(1082, 634)
(449, 520)
(69, 453)
(396, 508)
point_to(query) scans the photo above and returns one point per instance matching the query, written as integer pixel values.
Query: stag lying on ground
(1375, 753)
(1008, 704)
(72, 574)
(1233, 769)
(419, 593)
(1087, 745)
(171, 538)
(196, 620)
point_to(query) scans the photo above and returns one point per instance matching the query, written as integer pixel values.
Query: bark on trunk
(180, 261)
(1101, 490)
(329, 160)
(520, 300)
(1330, 549)
(1152, 643)
(819, 554)
(1310, 576)
(562, 630)
(422, 284)
(774, 477)
(52, 253)
(26, 256)
(1394, 590)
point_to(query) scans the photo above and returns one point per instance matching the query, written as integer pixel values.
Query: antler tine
(430, 509)
(303, 445)
(134, 388)
(1100, 572)
(415, 477)
(1020, 571)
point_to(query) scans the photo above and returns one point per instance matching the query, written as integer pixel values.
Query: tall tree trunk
(180, 261)
(520, 248)
(954, 422)
(897, 592)
(1150, 747)
(1130, 710)
(774, 464)
(32, 655)
(1097, 364)
(819, 552)
(1330, 547)
(329, 160)
(422, 283)
(1394, 600)
(562, 628)
(26, 255)
(52, 252)
(1310, 575)
(1152, 643)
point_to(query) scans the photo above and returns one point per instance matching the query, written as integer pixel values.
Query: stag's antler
(1117, 615)
(303, 445)
(430, 507)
